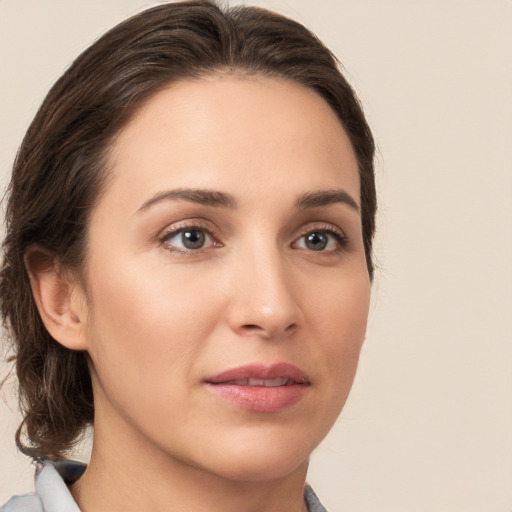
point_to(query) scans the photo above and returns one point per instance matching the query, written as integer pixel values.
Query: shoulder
(51, 493)
(312, 501)
(25, 503)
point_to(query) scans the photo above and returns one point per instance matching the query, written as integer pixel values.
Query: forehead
(223, 132)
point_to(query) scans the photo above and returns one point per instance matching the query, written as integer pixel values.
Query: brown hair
(60, 169)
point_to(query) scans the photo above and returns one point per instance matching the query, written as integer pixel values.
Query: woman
(188, 264)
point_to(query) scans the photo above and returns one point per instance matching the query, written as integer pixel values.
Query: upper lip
(260, 371)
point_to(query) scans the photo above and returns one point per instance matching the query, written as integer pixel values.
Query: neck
(127, 476)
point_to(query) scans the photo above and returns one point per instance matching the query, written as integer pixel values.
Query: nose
(263, 298)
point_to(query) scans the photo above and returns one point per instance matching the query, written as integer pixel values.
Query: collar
(53, 477)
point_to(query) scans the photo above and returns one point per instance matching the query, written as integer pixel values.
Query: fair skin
(271, 271)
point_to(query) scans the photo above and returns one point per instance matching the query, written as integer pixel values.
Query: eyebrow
(199, 196)
(218, 199)
(325, 198)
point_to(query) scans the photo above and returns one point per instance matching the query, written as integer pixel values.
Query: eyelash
(176, 230)
(342, 241)
(340, 238)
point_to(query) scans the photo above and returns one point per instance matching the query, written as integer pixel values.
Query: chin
(263, 468)
(260, 457)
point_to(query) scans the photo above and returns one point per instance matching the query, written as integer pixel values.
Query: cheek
(340, 317)
(147, 321)
(340, 308)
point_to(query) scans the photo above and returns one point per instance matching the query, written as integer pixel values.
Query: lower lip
(259, 398)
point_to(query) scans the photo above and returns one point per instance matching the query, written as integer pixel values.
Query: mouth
(261, 388)
(265, 383)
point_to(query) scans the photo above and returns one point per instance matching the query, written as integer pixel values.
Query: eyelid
(189, 224)
(320, 226)
(325, 227)
(213, 232)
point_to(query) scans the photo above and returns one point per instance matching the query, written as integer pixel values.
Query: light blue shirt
(52, 493)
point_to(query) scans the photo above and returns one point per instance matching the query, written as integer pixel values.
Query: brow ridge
(201, 196)
(216, 198)
(320, 198)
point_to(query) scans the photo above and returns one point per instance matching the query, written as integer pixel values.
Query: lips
(259, 372)
(261, 388)
(268, 383)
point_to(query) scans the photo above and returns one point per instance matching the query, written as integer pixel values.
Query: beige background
(429, 422)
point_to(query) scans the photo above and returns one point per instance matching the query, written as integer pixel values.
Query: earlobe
(55, 294)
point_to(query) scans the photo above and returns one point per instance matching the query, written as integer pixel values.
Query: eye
(191, 238)
(321, 240)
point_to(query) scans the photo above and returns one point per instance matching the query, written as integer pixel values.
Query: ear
(59, 298)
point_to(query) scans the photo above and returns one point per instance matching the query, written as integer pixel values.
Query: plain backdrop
(428, 425)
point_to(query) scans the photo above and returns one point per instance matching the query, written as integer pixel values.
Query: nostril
(251, 327)
(268, 332)
(291, 328)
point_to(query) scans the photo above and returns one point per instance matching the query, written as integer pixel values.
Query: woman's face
(227, 287)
